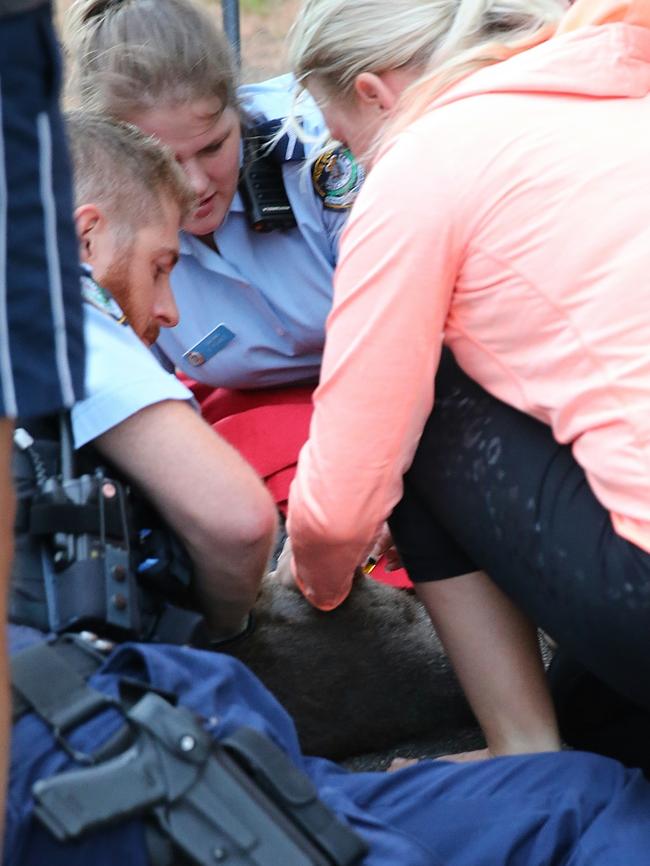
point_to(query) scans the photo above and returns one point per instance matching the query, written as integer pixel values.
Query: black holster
(82, 560)
(240, 801)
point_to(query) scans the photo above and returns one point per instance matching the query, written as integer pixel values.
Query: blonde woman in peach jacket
(506, 216)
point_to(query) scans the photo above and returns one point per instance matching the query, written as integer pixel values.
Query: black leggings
(491, 489)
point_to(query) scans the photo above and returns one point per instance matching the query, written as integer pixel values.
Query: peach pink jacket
(511, 222)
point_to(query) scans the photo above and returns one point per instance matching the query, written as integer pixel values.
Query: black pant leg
(517, 504)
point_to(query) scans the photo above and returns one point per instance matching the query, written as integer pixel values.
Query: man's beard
(118, 281)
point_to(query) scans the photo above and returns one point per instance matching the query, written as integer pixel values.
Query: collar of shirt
(236, 205)
(99, 297)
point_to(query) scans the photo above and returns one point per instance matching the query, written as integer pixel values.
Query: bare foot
(458, 758)
(463, 757)
(401, 763)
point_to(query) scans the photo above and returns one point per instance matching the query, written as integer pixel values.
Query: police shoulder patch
(337, 178)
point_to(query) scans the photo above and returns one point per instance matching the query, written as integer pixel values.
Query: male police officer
(130, 199)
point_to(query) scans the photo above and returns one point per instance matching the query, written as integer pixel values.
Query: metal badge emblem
(337, 178)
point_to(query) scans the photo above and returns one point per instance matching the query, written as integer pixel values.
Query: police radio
(261, 186)
(85, 557)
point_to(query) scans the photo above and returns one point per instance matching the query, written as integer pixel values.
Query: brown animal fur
(365, 677)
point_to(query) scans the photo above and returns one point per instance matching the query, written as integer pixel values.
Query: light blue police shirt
(272, 291)
(122, 377)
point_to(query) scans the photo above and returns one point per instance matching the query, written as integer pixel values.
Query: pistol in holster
(240, 802)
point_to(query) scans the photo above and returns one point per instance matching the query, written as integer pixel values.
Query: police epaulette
(287, 148)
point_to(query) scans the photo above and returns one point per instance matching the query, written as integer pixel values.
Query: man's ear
(88, 221)
(374, 91)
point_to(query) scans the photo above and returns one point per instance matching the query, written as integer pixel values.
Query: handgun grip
(81, 800)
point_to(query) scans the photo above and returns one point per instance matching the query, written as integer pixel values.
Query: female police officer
(163, 65)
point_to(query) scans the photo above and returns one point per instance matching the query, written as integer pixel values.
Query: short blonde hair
(126, 172)
(129, 56)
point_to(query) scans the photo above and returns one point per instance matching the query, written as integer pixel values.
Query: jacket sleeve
(400, 255)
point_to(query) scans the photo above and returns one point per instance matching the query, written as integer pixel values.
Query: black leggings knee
(490, 488)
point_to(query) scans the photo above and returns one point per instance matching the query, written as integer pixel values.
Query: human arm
(140, 417)
(208, 494)
(396, 273)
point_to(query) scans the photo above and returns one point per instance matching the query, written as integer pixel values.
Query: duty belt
(240, 801)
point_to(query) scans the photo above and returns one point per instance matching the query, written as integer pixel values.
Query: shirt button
(280, 332)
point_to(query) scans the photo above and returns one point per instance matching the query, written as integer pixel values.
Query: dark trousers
(41, 336)
(491, 489)
(530, 810)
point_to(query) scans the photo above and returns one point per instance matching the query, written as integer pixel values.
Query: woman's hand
(383, 546)
(283, 573)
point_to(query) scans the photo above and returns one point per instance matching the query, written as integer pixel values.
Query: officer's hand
(283, 573)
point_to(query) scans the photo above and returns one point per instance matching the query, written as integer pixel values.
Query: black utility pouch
(293, 793)
(90, 554)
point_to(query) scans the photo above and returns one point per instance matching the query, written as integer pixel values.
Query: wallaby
(367, 676)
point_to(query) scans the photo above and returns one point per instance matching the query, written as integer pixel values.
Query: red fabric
(269, 427)
(269, 437)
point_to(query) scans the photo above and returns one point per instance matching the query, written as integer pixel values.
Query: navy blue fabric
(29, 87)
(490, 488)
(555, 810)
(288, 148)
(15, 7)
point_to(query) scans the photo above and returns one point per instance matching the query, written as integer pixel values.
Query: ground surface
(263, 36)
